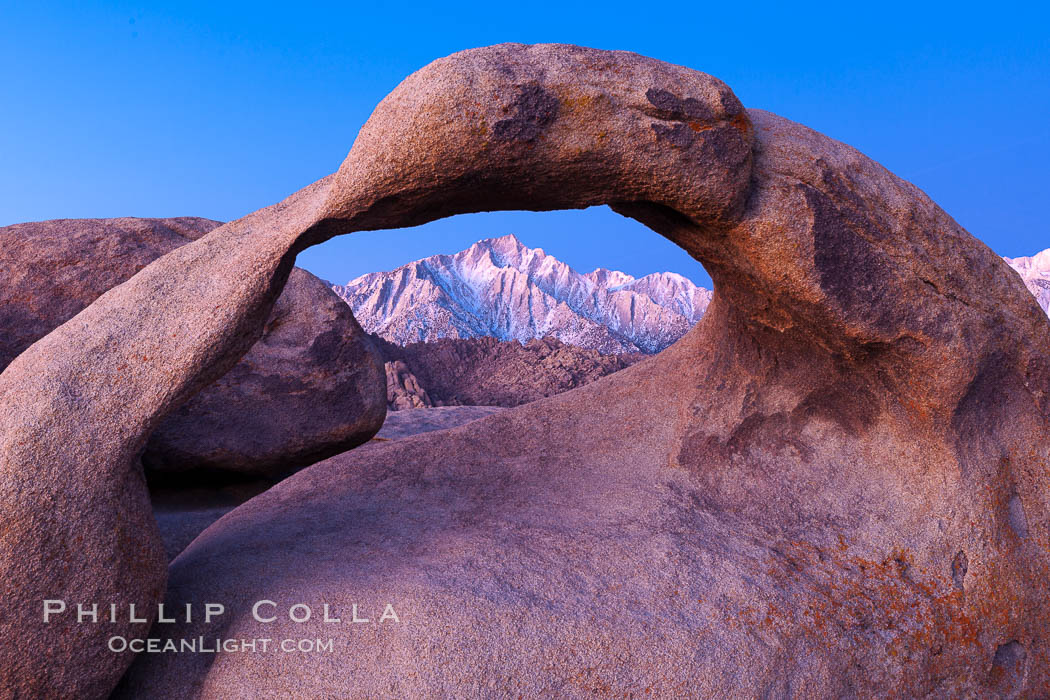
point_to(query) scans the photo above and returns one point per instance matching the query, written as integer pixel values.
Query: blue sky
(217, 109)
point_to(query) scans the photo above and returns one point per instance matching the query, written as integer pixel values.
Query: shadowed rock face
(184, 511)
(779, 504)
(310, 388)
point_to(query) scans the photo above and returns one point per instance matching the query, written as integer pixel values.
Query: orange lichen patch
(827, 598)
(700, 126)
(741, 123)
(916, 407)
(577, 101)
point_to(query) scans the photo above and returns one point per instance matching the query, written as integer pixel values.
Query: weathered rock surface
(500, 288)
(53, 269)
(490, 372)
(825, 489)
(310, 388)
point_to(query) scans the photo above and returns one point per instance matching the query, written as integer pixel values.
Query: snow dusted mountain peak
(1035, 271)
(504, 252)
(1033, 264)
(507, 245)
(500, 287)
(610, 279)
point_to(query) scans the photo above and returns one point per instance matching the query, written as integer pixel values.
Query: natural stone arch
(820, 391)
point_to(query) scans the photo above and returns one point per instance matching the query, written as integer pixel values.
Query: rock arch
(865, 399)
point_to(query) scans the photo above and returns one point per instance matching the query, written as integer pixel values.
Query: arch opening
(584, 239)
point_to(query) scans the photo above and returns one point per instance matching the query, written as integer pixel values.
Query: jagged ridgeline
(500, 288)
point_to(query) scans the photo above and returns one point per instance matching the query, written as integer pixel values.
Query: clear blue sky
(216, 109)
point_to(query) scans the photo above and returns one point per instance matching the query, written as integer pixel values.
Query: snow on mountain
(499, 287)
(1035, 271)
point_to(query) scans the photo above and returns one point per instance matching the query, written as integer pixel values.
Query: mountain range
(503, 289)
(500, 288)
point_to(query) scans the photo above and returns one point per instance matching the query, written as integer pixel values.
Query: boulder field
(834, 485)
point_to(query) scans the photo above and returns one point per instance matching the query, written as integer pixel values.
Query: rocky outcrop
(489, 372)
(500, 288)
(310, 388)
(403, 389)
(827, 488)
